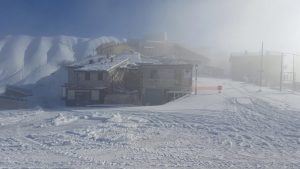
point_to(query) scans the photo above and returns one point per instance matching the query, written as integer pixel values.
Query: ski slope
(239, 128)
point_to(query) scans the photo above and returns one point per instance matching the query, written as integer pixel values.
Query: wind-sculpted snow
(239, 128)
(27, 59)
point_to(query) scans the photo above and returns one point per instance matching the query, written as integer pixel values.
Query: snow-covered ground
(239, 128)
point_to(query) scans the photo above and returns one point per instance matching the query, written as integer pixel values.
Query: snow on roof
(86, 61)
(107, 64)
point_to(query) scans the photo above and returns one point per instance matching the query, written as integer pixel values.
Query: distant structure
(247, 67)
(14, 98)
(156, 46)
(113, 48)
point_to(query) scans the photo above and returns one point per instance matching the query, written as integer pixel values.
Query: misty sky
(232, 25)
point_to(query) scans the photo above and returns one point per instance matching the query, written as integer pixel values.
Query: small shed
(14, 98)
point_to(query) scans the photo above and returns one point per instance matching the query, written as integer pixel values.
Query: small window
(153, 74)
(100, 76)
(87, 76)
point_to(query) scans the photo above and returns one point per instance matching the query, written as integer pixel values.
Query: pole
(261, 66)
(294, 73)
(196, 83)
(281, 71)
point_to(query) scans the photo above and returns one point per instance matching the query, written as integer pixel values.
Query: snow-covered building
(124, 79)
(92, 80)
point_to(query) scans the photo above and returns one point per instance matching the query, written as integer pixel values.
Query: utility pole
(294, 80)
(281, 71)
(196, 82)
(261, 66)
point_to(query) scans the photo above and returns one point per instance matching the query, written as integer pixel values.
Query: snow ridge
(27, 59)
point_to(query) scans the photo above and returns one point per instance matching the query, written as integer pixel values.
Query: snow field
(239, 128)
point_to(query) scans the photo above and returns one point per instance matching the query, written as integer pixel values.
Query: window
(87, 76)
(100, 76)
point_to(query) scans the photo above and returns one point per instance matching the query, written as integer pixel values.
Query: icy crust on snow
(239, 128)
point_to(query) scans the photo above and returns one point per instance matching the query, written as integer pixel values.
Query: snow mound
(61, 119)
(50, 140)
(113, 128)
(116, 118)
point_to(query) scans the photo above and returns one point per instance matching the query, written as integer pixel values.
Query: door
(82, 98)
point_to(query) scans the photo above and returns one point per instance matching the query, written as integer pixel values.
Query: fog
(233, 25)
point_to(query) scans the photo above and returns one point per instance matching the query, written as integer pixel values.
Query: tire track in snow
(265, 119)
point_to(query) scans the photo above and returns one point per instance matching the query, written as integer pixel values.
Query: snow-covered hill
(27, 59)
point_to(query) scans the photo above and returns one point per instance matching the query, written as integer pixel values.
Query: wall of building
(9, 103)
(80, 97)
(158, 80)
(79, 78)
(167, 78)
(122, 99)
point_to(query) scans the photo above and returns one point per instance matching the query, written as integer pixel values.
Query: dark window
(100, 76)
(153, 74)
(87, 76)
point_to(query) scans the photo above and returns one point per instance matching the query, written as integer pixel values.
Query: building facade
(89, 81)
(161, 83)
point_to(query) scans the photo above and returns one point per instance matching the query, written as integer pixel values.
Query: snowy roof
(108, 64)
(86, 61)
